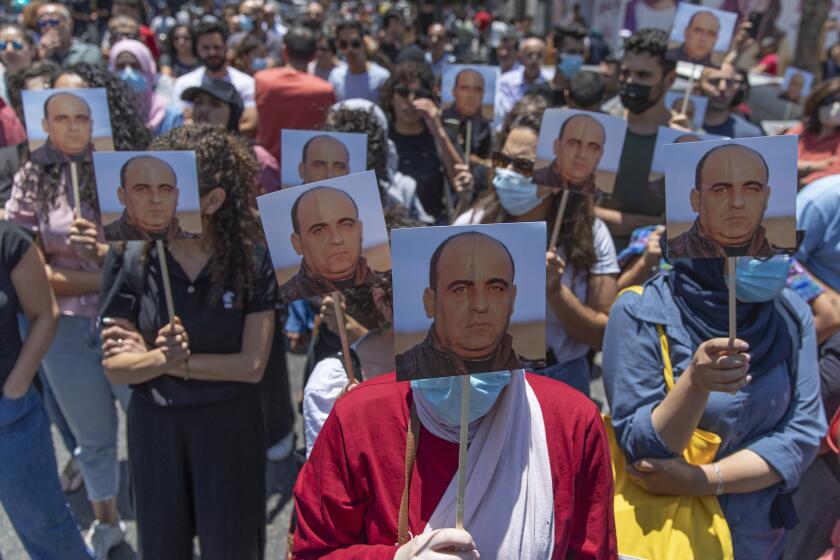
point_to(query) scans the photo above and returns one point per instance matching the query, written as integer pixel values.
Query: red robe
(347, 495)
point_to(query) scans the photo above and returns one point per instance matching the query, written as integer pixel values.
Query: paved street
(280, 478)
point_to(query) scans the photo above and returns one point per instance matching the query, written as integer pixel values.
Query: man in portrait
(794, 89)
(327, 233)
(577, 152)
(730, 195)
(470, 298)
(323, 157)
(149, 193)
(468, 98)
(68, 124)
(700, 36)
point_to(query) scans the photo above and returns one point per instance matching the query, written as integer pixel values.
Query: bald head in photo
(470, 298)
(577, 149)
(730, 197)
(149, 192)
(700, 35)
(68, 124)
(323, 157)
(327, 233)
(468, 92)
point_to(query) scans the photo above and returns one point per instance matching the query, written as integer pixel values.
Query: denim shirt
(780, 423)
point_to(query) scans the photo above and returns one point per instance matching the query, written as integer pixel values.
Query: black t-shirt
(177, 67)
(14, 242)
(418, 158)
(213, 328)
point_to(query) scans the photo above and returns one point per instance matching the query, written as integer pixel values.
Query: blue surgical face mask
(443, 394)
(760, 280)
(135, 80)
(571, 64)
(246, 24)
(516, 193)
(259, 63)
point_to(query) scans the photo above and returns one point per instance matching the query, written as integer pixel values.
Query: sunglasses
(419, 93)
(16, 45)
(355, 43)
(47, 23)
(523, 166)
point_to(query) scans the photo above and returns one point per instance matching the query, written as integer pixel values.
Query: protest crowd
(688, 402)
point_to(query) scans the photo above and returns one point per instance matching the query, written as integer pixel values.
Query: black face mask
(636, 97)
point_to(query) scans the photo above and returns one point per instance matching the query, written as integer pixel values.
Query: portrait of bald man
(577, 151)
(470, 298)
(323, 157)
(148, 192)
(699, 38)
(327, 233)
(730, 196)
(68, 124)
(468, 93)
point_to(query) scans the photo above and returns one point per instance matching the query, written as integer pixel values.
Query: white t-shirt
(243, 83)
(565, 347)
(326, 382)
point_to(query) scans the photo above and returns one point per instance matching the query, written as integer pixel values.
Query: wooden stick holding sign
(462, 451)
(733, 321)
(342, 334)
(561, 211)
(459, 209)
(689, 89)
(77, 197)
(167, 286)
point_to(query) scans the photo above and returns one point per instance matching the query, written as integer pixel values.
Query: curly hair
(653, 42)
(224, 161)
(404, 73)
(365, 122)
(17, 81)
(578, 217)
(128, 129)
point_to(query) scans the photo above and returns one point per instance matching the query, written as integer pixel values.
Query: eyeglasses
(419, 93)
(355, 43)
(523, 166)
(47, 23)
(16, 45)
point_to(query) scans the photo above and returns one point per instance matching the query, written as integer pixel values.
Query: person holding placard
(195, 424)
(581, 271)
(726, 88)
(759, 396)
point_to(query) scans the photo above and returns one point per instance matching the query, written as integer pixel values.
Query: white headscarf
(508, 503)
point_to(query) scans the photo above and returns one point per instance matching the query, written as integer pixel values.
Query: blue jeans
(73, 366)
(29, 487)
(574, 373)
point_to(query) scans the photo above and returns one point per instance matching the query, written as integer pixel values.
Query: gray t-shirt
(364, 86)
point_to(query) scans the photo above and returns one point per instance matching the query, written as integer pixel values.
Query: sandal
(71, 477)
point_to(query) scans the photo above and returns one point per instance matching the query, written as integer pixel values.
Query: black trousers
(199, 470)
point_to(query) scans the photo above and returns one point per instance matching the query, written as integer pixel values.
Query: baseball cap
(221, 90)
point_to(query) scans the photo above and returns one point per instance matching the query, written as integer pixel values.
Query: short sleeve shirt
(14, 242)
(243, 83)
(213, 327)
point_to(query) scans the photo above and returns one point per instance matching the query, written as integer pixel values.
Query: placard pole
(733, 322)
(167, 287)
(77, 197)
(687, 96)
(561, 211)
(462, 451)
(342, 333)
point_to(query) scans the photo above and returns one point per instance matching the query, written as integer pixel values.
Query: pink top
(54, 232)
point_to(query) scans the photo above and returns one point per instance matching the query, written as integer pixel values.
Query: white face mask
(829, 115)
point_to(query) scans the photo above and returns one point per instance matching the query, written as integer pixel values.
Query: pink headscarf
(152, 106)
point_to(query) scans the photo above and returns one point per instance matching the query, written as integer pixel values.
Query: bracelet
(719, 488)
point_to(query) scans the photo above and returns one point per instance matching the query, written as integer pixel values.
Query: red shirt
(812, 148)
(347, 495)
(287, 98)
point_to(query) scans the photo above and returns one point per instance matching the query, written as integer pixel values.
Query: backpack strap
(664, 348)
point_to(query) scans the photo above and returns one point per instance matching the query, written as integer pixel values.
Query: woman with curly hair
(74, 248)
(582, 269)
(195, 424)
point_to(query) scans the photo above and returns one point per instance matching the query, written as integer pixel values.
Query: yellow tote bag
(654, 527)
